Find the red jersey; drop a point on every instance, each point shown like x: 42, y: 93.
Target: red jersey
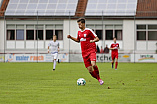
x: 84, y: 37
x: 115, y: 45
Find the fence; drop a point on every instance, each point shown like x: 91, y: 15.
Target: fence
x: 24, y: 37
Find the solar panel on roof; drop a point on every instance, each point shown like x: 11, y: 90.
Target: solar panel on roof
x: 111, y: 7
x: 44, y: 7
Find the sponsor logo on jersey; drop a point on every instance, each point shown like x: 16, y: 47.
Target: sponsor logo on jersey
x: 82, y: 39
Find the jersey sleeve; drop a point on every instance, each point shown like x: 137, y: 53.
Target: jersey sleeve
x: 111, y: 46
x: 49, y: 44
x: 78, y: 38
x: 93, y: 35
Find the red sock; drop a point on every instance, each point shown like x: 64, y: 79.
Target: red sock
x: 112, y: 63
x: 96, y: 70
x: 116, y: 65
x: 93, y: 74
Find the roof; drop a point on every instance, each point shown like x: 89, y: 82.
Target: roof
x: 146, y: 8
x: 111, y: 8
x: 3, y: 7
x: 41, y: 7
x: 80, y: 8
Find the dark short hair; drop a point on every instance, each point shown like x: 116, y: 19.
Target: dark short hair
x: 82, y: 20
x: 55, y: 35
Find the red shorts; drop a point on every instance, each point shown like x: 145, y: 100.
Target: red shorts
x: 89, y: 58
x: 114, y: 55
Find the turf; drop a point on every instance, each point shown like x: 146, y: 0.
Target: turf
x: 35, y: 83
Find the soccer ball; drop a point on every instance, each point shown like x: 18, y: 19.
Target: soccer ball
x: 81, y: 82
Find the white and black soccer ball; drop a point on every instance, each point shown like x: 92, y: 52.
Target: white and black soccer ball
x: 81, y: 81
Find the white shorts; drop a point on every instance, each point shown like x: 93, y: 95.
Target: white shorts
x: 54, y: 56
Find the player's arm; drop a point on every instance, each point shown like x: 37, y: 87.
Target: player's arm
x: 118, y: 47
x: 74, y: 39
x: 111, y: 48
x: 114, y: 48
x: 58, y: 48
x: 48, y: 49
x: 96, y: 39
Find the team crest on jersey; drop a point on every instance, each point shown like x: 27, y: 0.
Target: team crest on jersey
x: 85, y: 35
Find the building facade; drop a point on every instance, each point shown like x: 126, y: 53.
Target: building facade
x: 27, y: 27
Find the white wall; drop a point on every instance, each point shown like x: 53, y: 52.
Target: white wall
x: 148, y: 45
x: 0, y: 2
x: 152, y: 45
x: 30, y: 46
x: 127, y: 44
x: 2, y: 36
x: 146, y: 21
x: 73, y: 32
x: 141, y: 45
x: 128, y: 34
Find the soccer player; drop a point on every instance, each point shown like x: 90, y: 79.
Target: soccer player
x: 54, y: 50
x: 87, y: 38
x: 114, y: 54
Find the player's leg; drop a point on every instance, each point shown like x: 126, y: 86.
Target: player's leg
x: 113, y: 58
x: 54, y: 61
x: 89, y: 67
x: 90, y: 70
x: 112, y: 63
x: 116, y: 63
x: 95, y: 67
x: 96, y: 70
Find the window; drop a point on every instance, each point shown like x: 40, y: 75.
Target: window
x: 99, y: 33
x: 118, y: 34
x: 59, y: 34
x: 141, y: 26
x: 141, y: 32
x: 109, y: 34
x: 49, y: 34
x: 141, y: 35
x: 19, y: 34
x: 149, y: 31
x: 152, y: 26
x: 152, y: 35
x: 30, y: 34
x: 10, y: 34
x: 39, y: 34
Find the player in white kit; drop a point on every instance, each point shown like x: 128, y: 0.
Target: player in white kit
x: 54, y: 50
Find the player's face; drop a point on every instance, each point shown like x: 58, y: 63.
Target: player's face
x: 81, y: 25
x: 54, y: 38
x: 114, y: 40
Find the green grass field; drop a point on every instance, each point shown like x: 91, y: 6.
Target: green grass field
x: 35, y: 83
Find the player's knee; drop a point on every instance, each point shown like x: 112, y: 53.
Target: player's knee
x: 90, y: 71
x: 93, y: 65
